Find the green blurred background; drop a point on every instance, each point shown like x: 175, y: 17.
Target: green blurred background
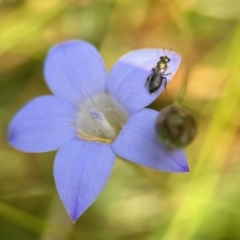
x: 137, y: 203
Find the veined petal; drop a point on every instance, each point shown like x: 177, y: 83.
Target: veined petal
x: 75, y: 70
x: 81, y: 171
x: 43, y: 124
x: 137, y: 142
x: 127, y: 79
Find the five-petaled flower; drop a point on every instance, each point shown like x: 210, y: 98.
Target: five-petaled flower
x: 92, y: 117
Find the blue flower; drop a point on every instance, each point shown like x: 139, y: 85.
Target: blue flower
x: 92, y: 117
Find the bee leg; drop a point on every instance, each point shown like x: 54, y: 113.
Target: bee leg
x: 164, y: 80
x: 168, y: 74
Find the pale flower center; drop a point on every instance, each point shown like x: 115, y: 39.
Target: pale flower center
x: 100, y: 119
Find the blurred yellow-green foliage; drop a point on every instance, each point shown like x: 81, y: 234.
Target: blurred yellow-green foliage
x: 137, y: 203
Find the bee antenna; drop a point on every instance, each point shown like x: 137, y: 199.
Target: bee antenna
x: 157, y: 52
x: 171, y: 48
x: 163, y: 49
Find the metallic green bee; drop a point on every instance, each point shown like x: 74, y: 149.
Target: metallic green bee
x: 158, y: 76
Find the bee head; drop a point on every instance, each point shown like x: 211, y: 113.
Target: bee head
x: 165, y: 59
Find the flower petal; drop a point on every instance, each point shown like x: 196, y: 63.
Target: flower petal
x: 43, y: 124
x: 138, y: 143
x: 75, y: 70
x: 81, y: 171
x: 127, y: 79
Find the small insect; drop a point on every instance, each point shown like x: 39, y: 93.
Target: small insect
x: 158, y: 76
